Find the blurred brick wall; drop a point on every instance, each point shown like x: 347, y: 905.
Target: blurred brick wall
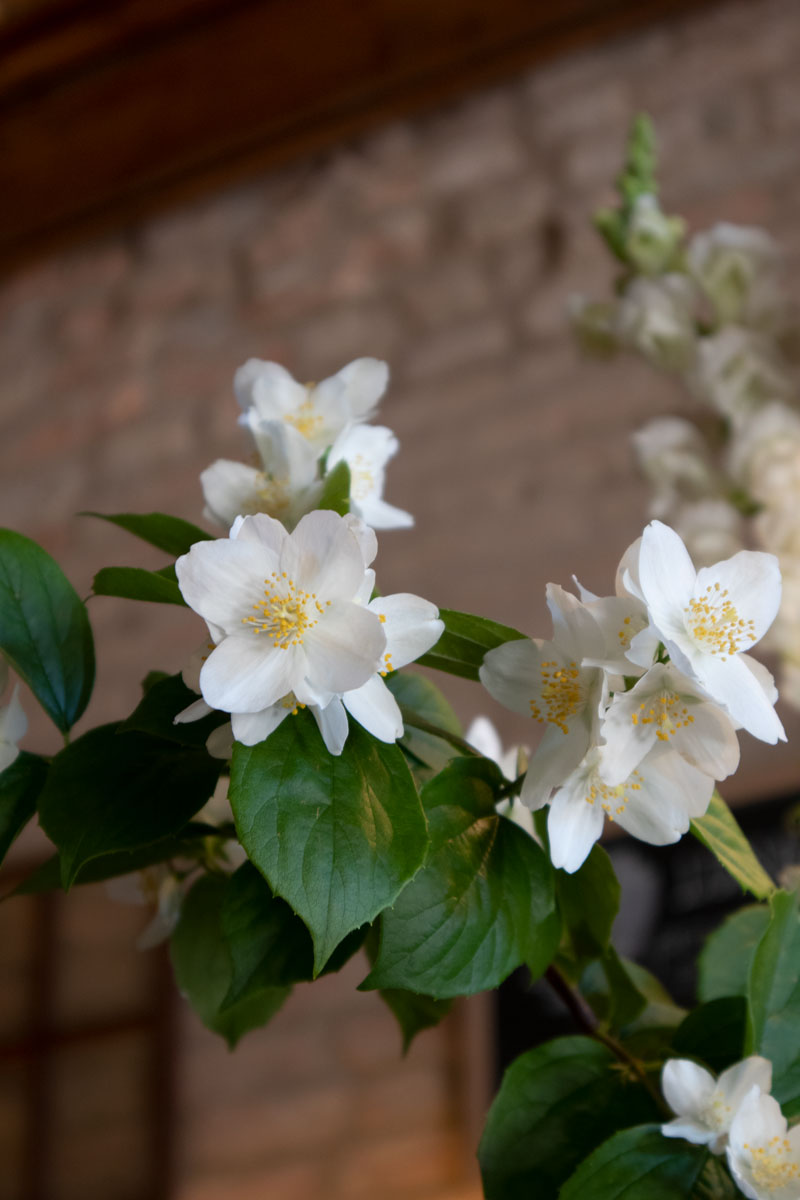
x: 448, y: 245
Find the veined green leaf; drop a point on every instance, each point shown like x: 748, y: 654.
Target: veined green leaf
x: 44, y: 630
x: 714, y: 1033
x: 20, y: 785
x: 589, y: 902
x: 156, y: 712
x: 638, y: 1162
x: 338, y: 837
x: 482, y: 905
x: 773, y: 993
x: 466, y: 639
x: 720, y: 832
x: 723, y: 966
x: 135, y: 583
x: 171, y: 534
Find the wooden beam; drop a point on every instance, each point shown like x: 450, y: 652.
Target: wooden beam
x: 108, y: 112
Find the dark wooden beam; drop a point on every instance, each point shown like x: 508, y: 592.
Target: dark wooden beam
x: 109, y: 111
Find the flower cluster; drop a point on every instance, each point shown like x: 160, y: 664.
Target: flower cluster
x: 710, y: 310
x: 640, y: 694
x: 735, y: 1115
x: 301, y: 433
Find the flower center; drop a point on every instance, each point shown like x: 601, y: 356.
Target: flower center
x: 560, y: 695
x: 714, y: 621
x: 304, y: 420
x: 272, y: 492
x: 773, y: 1165
x: 286, y: 613
x: 717, y: 1114
x: 362, y: 481
x: 613, y: 800
x: 666, y: 712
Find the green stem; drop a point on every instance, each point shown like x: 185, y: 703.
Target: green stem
x: 585, y: 1018
x: 511, y: 788
x: 416, y: 722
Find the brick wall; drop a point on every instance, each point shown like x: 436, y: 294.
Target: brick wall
x: 448, y: 245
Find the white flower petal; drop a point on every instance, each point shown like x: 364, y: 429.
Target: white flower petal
x: 380, y: 515
x: 752, y: 583
x: 365, y: 537
x: 689, y: 1130
x: 553, y: 761
x: 222, y: 580
x: 13, y: 721
x: 742, y: 1077
x: 666, y: 575
x: 733, y: 685
x: 268, y: 387
x: 573, y: 827
x: 511, y: 672
x: 324, y: 554
x: 344, y: 649
x: 250, y: 728
x: 243, y: 676
x: 374, y: 707
x: 195, y: 712
x: 229, y: 489
x: 411, y: 625
x: 332, y: 724
x: 363, y: 383
x: 687, y: 1087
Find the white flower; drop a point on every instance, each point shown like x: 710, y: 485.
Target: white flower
x: 656, y: 317
x: 289, y: 608
x: 158, y: 886
x: 706, y: 1106
x: 13, y: 722
x: 763, y: 1153
x: 411, y: 626
x: 366, y: 449
x: 545, y: 680
x: 267, y: 392
x: 655, y: 803
x: 652, y: 237
x: 737, y: 372
x: 665, y: 707
x: 286, y: 486
x: 736, y: 267
x: 707, y: 618
x: 512, y: 762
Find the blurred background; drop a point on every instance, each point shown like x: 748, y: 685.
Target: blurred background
x: 188, y: 183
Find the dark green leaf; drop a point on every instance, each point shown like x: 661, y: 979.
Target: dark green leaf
x: 715, y: 1182
x: 413, y: 1012
x: 44, y: 630
x: 337, y: 837
x: 461, y: 648
x: 416, y: 693
x: 336, y: 490
x: 20, y: 785
x: 724, y: 963
x: 269, y: 946
x: 714, y: 1033
x: 171, y: 534
x: 635, y: 1163
x: 628, y: 997
x: 774, y: 1000
x: 202, y: 965
x: 556, y: 1104
x: 482, y: 905
x: 155, y: 714
x: 110, y: 792
x: 719, y: 831
x: 589, y: 902
x: 134, y: 583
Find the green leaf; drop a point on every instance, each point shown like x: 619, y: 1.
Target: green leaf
x: 714, y: 1033
x: 269, y: 946
x: 466, y: 639
x: 44, y: 630
x: 720, y: 832
x: 162, y: 702
x: 413, y: 1012
x: 336, y: 490
x: 773, y: 990
x: 418, y: 694
x: 202, y: 965
x: 589, y: 902
x: 724, y: 963
x: 630, y: 999
x: 336, y: 837
x: 171, y: 534
x: 715, y: 1182
x: 556, y: 1104
x: 482, y: 905
x: 638, y: 1162
x: 20, y: 785
x: 110, y: 792
x: 135, y: 583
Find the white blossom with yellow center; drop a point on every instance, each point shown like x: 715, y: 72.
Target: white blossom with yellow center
x: 705, y: 1107
x: 318, y: 412
x: 546, y: 681
x: 763, y: 1153
x: 289, y: 611
x: 708, y: 618
x: 667, y: 708
x: 655, y: 804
